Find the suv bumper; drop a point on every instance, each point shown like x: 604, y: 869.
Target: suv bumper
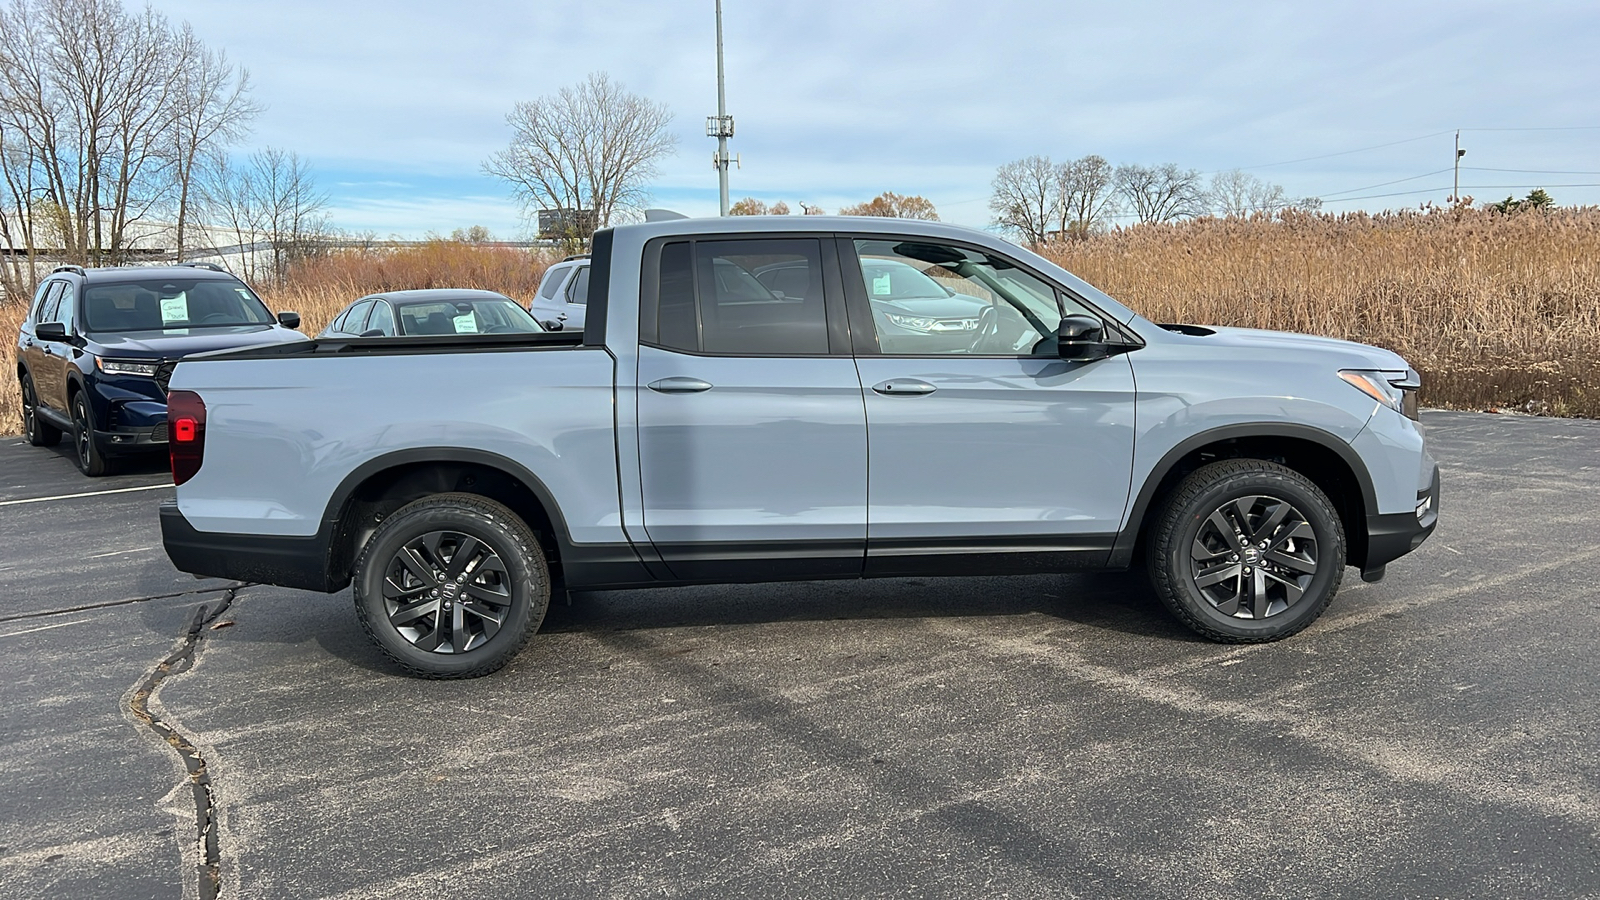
x: 1390, y: 537
x: 118, y: 440
x: 258, y: 558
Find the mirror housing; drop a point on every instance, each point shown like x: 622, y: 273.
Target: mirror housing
x: 1081, y: 338
x: 289, y: 319
x: 50, y: 331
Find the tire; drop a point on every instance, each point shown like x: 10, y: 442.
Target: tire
x: 90, y: 460
x: 38, y: 432
x: 1210, y: 534
x: 417, y: 606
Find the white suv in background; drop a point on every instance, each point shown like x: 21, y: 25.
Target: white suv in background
x: 563, y: 295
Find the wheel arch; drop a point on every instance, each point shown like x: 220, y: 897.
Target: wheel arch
x: 1331, y: 463
x: 378, y: 487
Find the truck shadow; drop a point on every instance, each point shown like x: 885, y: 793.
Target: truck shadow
x: 1114, y: 601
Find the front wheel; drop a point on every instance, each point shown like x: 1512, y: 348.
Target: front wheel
x: 452, y: 586
x: 1247, y: 551
x: 86, y: 454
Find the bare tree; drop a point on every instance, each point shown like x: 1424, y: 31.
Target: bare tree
x: 592, y: 146
x: 270, y: 205
x: 212, y: 109
x: 890, y: 205
x: 749, y: 206
x: 1238, y: 193
x: 1087, y: 188
x: 779, y: 209
x: 1161, y: 193
x: 1026, y: 197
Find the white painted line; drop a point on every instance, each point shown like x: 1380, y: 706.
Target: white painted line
x: 42, y: 628
x: 120, y: 552
x: 148, y: 487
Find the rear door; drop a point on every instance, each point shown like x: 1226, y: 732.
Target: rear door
x: 752, y: 428
x: 989, y: 452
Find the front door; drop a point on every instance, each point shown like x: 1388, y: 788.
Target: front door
x: 752, y: 427
x: 50, y: 368
x: 988, y: 452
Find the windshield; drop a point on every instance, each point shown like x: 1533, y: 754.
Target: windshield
x: 173, y: 303
x: 496, y: 315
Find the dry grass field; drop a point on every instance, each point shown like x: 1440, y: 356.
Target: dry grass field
x: 1496, y: 311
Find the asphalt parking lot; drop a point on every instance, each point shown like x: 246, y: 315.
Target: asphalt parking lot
x: 1433, y: 735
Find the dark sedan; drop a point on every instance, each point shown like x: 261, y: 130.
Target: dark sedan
x: 431, y: 312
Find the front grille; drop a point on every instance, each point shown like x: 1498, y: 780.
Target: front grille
x: 159, y: 435
x: 164, y: 375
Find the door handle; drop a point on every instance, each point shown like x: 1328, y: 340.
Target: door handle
x: 679, y: 385
x: 904, y: 386
x: 562, y: 317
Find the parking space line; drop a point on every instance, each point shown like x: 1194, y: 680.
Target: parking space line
x: 42, y: 628
x: 147, y: 487
x: 119, y: 552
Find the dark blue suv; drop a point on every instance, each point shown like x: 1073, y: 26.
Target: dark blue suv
x: 98, y: 346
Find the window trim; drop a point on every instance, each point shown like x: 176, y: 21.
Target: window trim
x: 834, y: 302
x: 861, y: 309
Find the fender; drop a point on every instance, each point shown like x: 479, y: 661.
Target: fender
x: 1122, y: 550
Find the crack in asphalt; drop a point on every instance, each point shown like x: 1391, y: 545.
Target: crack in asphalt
x: 208, y: 870
x: 228, y: 588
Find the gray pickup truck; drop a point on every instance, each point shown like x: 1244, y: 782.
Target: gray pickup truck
x: 768, y: 399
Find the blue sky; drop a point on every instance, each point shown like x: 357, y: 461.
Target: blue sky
x: 396, y: 105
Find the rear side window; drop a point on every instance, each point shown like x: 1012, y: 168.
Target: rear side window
x: 552, y: 281
x: 710, y: 300
x: 579, y: 292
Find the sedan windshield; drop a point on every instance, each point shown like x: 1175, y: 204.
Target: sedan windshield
x: 171, y: 304
x: 496, y: 315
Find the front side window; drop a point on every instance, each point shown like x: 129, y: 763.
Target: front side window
x: 171, y: 304
x: 710, y: 300
x: 932, y: 298
x: 50, y: 305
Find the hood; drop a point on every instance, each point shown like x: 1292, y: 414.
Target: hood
x: 1358, y: 355
x: 178, y: 342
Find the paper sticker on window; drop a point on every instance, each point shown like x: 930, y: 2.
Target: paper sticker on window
x: 467, y: 324
x: 174, y: 309
x: 880, y: 285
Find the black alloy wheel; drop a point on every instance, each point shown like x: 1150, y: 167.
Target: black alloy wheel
x: 1246, y: 551
x: 1254, y: 557
x: 90, y: 460
x: 38, y: 432
x: 451, y: 586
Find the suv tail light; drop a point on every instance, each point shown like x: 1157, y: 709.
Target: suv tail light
x: 186, y: 433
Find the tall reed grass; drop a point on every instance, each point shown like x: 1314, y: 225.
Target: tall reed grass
x: 1496, y: 311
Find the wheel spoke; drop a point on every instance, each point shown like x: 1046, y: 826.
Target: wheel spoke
x: 1259, y: 602
x: 467, y: 549
x: 490, y: 594
x: 1307, y: 566
x: 459, y: 636
x: 411, y: 559
x: 409, y: 613
x: 1291, y: 589
x: 1218, y: 575
x: 394, y: 590
x: 1271, y: 522
x: 1200, y: 553
x: 1226, y: 529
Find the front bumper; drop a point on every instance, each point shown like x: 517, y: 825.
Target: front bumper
x: 1390, y: 537
x: 125, y: 439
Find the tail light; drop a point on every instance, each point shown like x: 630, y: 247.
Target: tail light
x: 186, y: 433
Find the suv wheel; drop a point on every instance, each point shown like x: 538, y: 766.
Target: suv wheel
x: 90, y: 460
x: 39, y: 432
x: 1247, y: 551
x: 452, y: 586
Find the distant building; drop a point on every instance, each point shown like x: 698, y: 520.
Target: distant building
x: 555, y: 224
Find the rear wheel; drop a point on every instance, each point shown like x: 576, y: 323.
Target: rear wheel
x: 1247, y: 551
x: 86, y: 454
x: 452, y: 586
x: 38, y: 432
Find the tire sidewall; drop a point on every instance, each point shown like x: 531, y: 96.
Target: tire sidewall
x: 1325, y: 526
x: 497, y: 529
x: 30, y: 414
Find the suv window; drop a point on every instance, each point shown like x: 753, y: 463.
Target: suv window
x: 171, y: 303
x: 717, y: 305
x: 552, y: 281
x: 929, y: 298
x: 579, y: 292
x: 50, y: 303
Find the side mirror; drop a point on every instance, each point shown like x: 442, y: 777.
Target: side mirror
x: 371, y: 332
x: 50, y: 331
x: 1081, y: 338
x: 552, y: 325
x: 289, y: 319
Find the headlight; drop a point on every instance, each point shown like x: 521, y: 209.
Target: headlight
x: 914, y: 323
x: 127, y: 367
x: 1393, y: 389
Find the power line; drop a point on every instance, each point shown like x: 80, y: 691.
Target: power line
x: 1384, y: 184
x: 1347, y: 152
x: 1530, y: 171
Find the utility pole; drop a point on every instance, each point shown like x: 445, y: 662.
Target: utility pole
x: 1455, y: 191
x: 720, y: 126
